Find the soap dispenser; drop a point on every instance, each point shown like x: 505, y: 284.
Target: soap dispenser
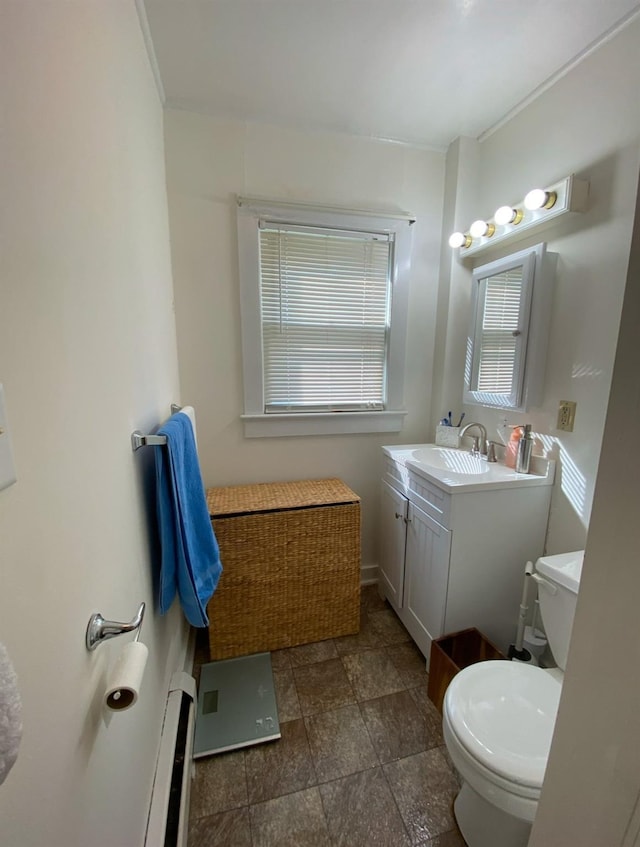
x: 511, y: 450
x: 525, y: 449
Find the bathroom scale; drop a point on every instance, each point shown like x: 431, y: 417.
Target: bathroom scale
x: 236, y: 705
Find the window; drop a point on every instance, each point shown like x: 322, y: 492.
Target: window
x: 506, y: 348
x: 324, y: 303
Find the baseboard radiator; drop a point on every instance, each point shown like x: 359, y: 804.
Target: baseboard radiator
x: 168, y: 822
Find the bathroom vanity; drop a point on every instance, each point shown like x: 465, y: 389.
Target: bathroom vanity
x: 455, y: 535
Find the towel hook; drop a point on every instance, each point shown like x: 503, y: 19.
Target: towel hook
x: 99, y: 629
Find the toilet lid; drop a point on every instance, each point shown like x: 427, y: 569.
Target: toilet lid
x: 503, y: 713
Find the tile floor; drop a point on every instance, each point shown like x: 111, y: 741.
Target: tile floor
x: 361, y: 760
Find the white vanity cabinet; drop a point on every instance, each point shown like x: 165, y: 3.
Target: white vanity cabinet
x: 452, y: 555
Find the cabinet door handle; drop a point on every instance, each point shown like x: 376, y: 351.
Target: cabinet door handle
x: 398, y: 515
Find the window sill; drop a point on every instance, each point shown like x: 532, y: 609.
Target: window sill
x: 322, y: 423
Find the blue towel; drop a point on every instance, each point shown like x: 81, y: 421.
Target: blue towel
x: 190, y: 556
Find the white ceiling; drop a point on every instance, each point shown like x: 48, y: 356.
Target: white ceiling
x: 419, y: 71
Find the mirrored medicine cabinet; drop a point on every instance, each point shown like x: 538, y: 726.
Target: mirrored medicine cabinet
x: 509, y: 329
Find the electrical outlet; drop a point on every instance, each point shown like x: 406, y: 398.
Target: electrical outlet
x: 566, y: 415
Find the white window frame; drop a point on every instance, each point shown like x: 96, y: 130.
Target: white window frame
x: 527, y: 386
x: 256, y: 422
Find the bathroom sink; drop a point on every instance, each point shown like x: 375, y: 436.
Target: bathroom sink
x: 451, y: 460
x: 452, y: 469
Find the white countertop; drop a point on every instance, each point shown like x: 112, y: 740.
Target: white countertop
x: 456, y: 470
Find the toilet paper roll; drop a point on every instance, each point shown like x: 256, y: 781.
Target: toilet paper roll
x: 126, y: 675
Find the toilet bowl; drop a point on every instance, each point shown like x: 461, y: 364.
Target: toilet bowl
x: 498, y: 721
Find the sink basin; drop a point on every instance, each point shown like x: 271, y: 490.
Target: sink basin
x: 451, y: 460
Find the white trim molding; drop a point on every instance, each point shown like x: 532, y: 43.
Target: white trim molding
x: 257, y: 424
x: 369, y: 574
x: 322, y: 423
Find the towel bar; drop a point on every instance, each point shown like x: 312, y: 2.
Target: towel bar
x: 138, y: 439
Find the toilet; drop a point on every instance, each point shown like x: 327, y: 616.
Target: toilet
x: 498, y: 720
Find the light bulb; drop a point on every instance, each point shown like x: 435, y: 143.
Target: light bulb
x: 459, y: 239
x: 540, y: 199
x: 507, y: 215
x: 480, y: 228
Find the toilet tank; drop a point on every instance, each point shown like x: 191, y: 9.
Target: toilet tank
x: 557, y: 608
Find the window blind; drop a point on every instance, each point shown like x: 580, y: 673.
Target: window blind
x: 501, y: 333
x: 325, y: 311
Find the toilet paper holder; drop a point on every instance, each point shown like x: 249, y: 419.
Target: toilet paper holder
x: 99, y: 629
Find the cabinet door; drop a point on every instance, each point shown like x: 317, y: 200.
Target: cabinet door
x: 426, y: 577
x: 392, y: 534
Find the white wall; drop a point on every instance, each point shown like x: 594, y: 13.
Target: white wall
x: 209, y: 161
x: 591, y: 791
x: 87, y: 354
x: 588, y: 123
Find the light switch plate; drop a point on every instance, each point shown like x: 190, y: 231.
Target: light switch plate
x: 7, y: 468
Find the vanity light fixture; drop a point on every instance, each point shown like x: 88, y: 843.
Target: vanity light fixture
x: 460, y: 239
x: 482, y: 228
x: 508, y: 215
x: 540, y: 207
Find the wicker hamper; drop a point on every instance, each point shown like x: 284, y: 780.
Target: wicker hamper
x: 291, y: 558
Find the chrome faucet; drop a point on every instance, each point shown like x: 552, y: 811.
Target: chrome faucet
x: 479, y: 447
